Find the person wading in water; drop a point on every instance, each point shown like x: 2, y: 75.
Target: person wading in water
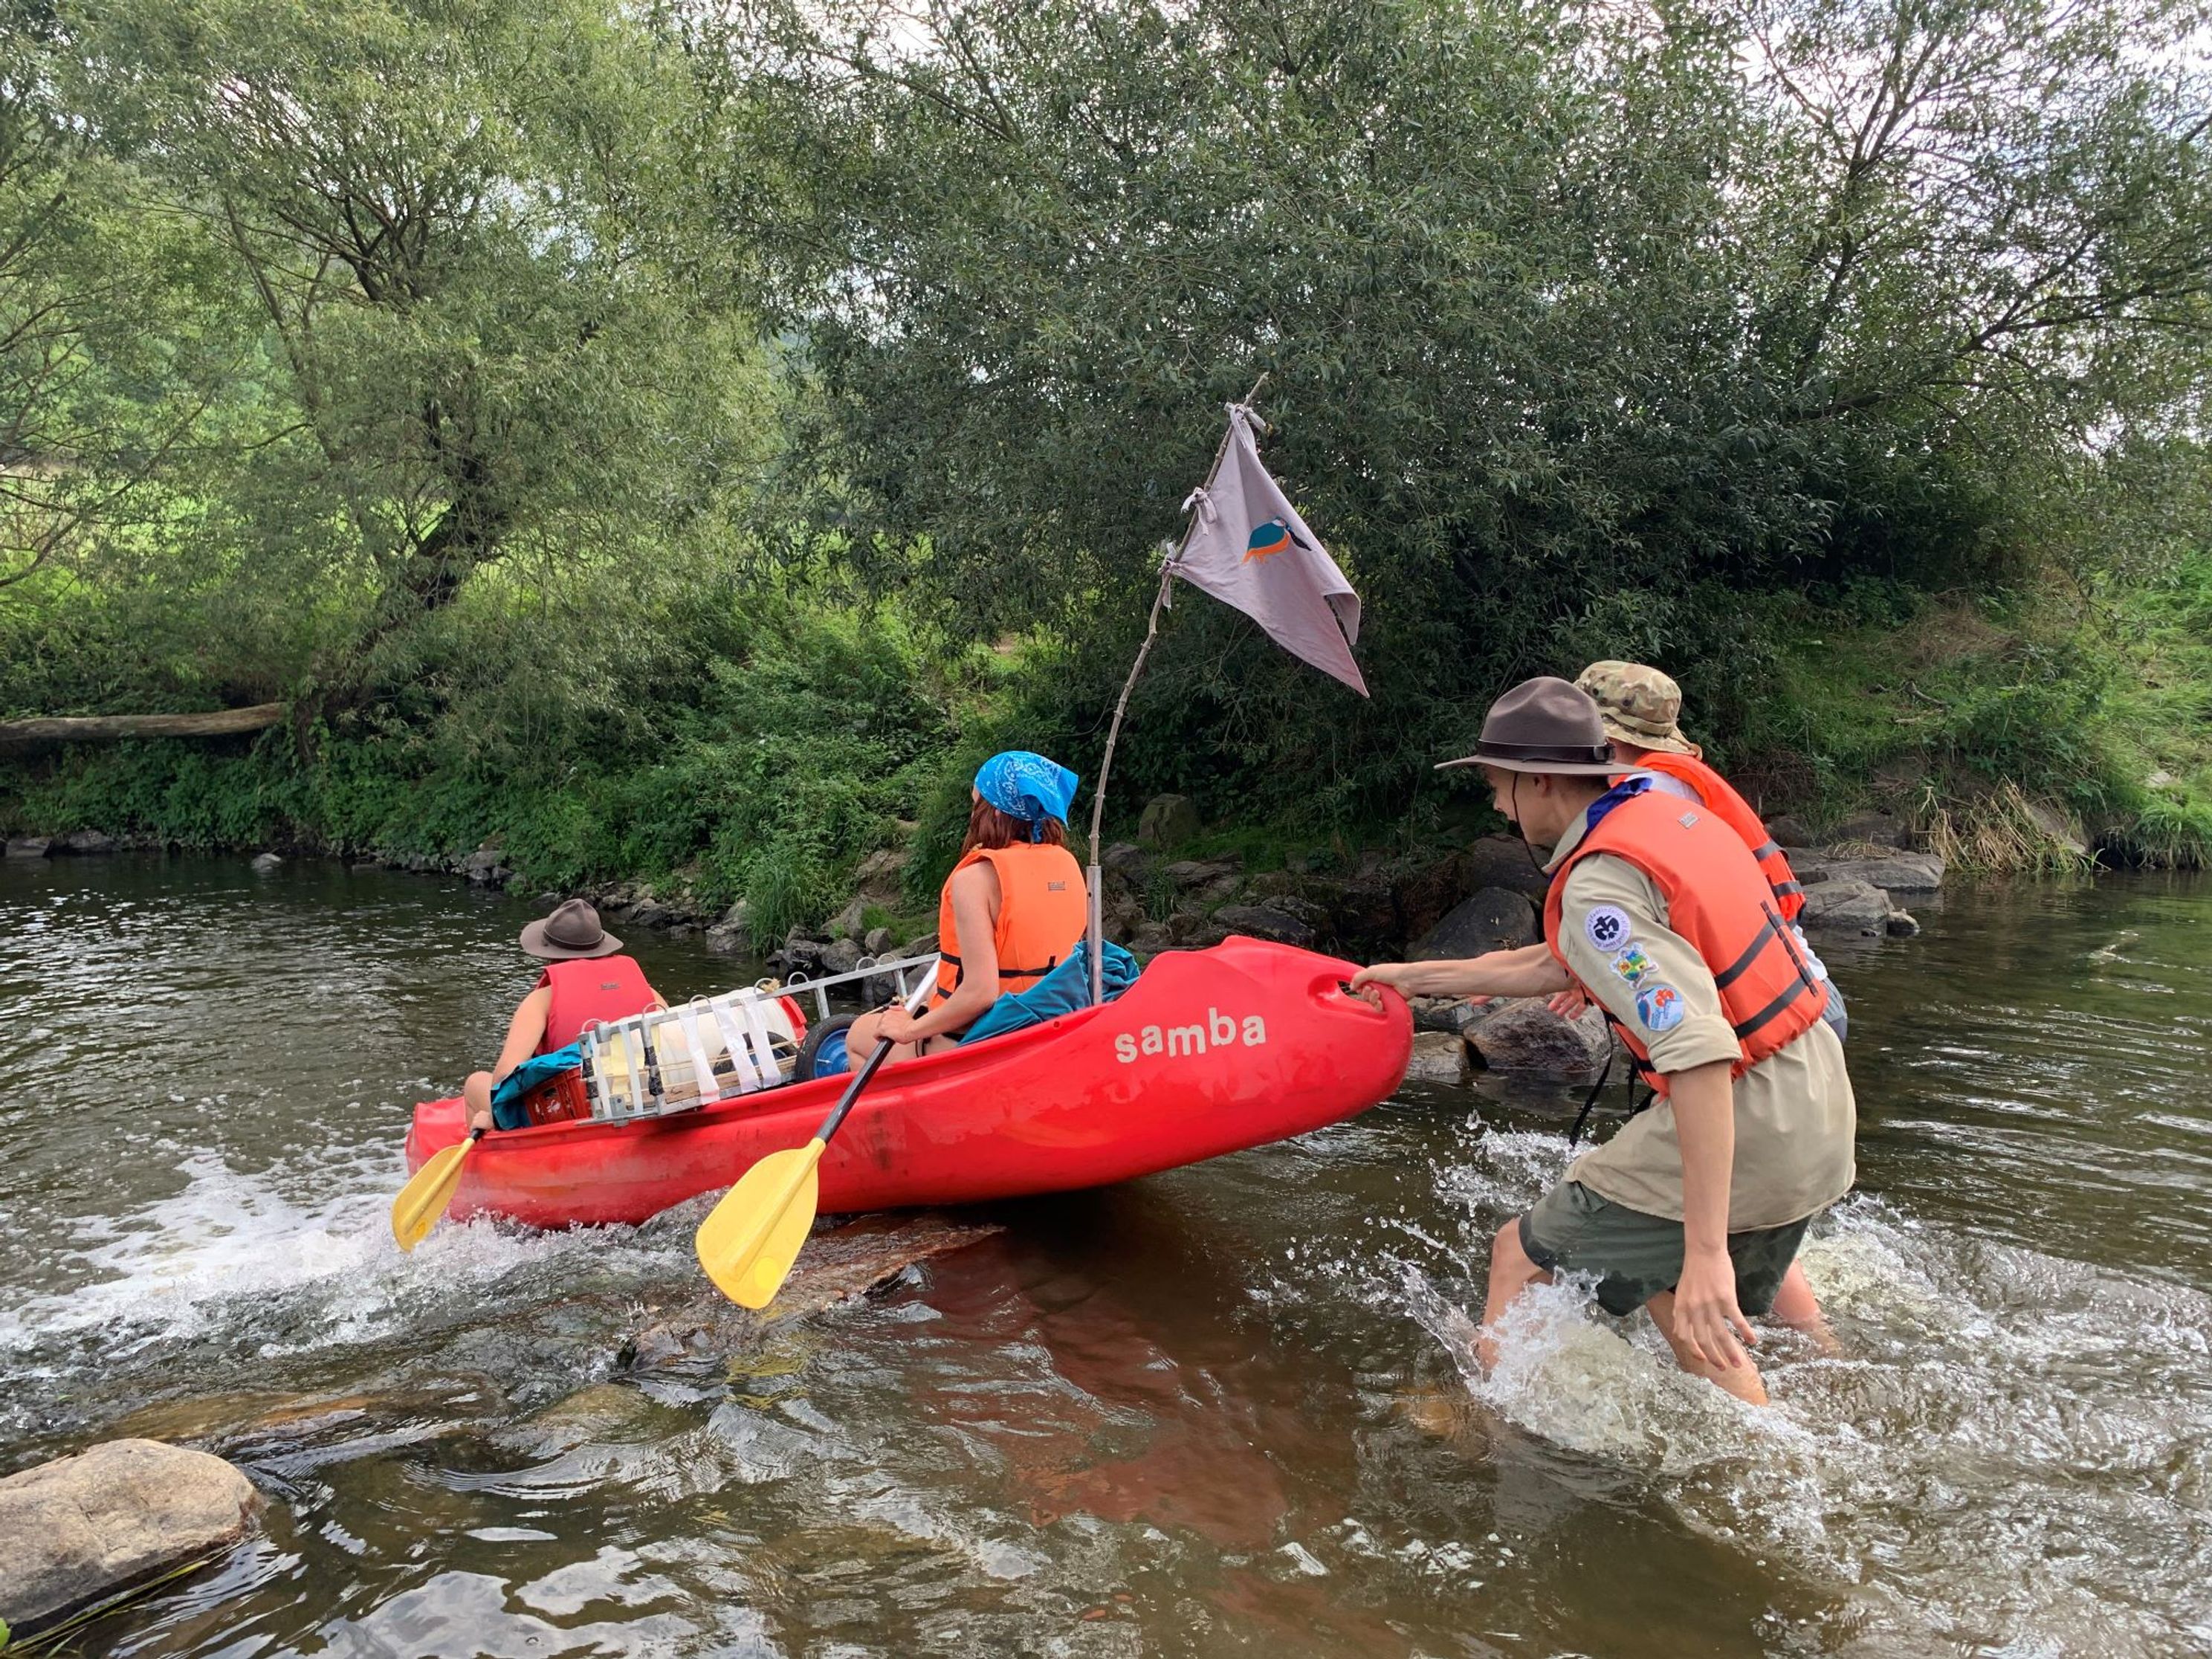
x: 1695, y: 1210
x: 1010, y: 911
x: 584, y: 983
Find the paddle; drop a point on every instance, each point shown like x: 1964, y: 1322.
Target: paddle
x: 747, y: 1243
x: 423, y: 1199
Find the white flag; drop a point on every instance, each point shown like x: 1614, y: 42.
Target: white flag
x: 1249, y: 547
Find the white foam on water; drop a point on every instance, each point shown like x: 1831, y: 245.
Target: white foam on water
x: 247, y: 1255
x: 2011, y: 1451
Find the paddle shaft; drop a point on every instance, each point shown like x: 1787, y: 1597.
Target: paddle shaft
x: 832, y: 1123
x: 837, y: 1118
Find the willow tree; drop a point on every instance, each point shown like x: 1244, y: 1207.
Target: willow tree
x: 103, y: 375
x: 1579, y: 319
x: 461, y: 229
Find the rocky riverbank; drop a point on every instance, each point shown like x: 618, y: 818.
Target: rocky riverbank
x: 1424, y: 904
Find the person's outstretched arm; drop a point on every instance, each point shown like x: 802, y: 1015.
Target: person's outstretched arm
x: 1530, y: 971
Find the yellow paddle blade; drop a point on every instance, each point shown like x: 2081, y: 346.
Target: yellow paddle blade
x: 424, y: 1199
x: 747, y: 1243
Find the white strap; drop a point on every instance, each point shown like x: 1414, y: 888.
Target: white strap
x: 703, y: 1069
x: 733, y: 1039
x: 763, y: 1043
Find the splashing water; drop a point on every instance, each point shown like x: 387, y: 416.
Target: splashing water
x: 1229, y: 1409
x: 2010, y: 1448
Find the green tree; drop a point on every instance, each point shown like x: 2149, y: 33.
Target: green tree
x: 461, y: 228
x: 106, y: 373
x: 1579, y: 319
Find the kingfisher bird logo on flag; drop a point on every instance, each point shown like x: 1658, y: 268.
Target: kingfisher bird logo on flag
x: 1271, y: 537
x: 1249, y: 547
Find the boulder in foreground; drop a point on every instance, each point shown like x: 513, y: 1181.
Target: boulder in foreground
x: 77, y: 1531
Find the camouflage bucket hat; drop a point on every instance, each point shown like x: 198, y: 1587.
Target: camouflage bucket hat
x: 1639, y: 705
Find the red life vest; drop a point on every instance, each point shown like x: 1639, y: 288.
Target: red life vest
x: 587, y: 992
x: 1717, y: 900
x: 1042, y: 912
x: 1718, y: 792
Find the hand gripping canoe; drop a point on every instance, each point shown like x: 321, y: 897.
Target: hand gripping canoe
x: 750, y: 1241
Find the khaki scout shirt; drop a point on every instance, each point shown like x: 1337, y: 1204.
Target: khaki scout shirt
x: 1794, y: 1117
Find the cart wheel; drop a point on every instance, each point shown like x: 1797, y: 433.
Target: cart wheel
x: 822, y: 1054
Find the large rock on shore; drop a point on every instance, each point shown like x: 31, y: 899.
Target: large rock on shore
x: 1168, y: 821
x: 1897, y: 872
x: 1438, y: 1057
x: 80, y: 1530
x: 1495, y: 919
x: 1524, y: 1034
x: 1856, y: 906
x: 1267, y: 922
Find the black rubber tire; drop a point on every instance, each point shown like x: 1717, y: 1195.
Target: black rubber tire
x: 816, y: 1034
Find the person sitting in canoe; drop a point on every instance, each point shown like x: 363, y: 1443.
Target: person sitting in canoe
x: 584, y: 982
x: 1012, y: 910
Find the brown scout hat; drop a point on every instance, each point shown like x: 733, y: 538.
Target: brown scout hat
x: 1543, y: 725
x: 1640, y: 706
x: 572, y: 931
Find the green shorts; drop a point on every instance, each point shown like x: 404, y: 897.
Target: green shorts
x: 1637, y: 1255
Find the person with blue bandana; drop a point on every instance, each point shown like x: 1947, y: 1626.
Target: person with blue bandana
x: 1012, y: 909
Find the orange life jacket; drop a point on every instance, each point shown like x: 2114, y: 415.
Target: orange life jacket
x: 587, y: 992
x: 1717, y: 900
x: 1718, y: 792
x: 1042, y: 912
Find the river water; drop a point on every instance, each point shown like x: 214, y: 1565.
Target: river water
x: 1223, y: 1411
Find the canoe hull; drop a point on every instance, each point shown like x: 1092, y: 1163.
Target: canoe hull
x: 1211, y: 1052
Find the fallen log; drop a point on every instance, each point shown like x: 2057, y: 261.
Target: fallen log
x: 104, y: 728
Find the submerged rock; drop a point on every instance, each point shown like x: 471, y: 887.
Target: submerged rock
x: 29, y: 846
x: 84, y: 842
x: 1438, y: 1057
x: 838, y: 1263
x: 264, y: 862
x: 80, y: 1530
x: 1524, y: 1034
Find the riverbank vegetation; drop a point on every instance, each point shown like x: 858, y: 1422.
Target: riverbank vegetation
x: 673, y: 445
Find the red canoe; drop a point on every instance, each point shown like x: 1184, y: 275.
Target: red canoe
x: 1210, y: 1051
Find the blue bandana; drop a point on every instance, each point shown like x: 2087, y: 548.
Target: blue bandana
x: 1027, y: 787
